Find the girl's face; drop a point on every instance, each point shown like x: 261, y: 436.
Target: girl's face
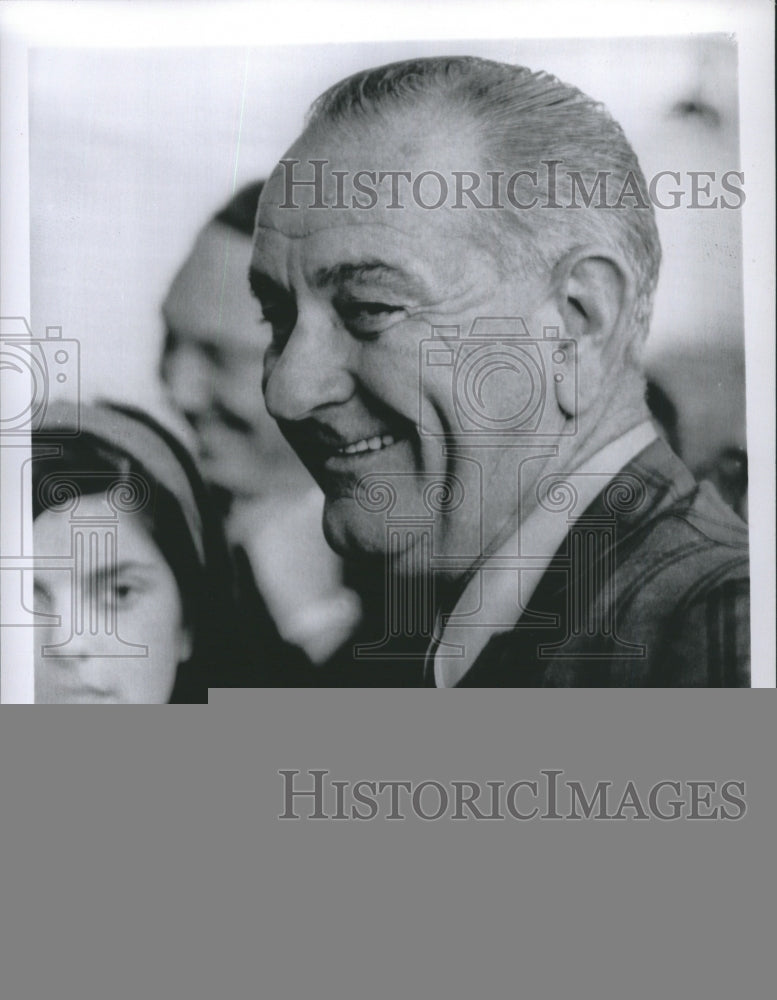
x: 115, y: 632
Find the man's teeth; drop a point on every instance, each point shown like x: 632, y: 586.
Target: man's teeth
x: 368, y: 444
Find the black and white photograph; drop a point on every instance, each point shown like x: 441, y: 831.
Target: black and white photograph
x: 356, y: 353
x: 414, y: 362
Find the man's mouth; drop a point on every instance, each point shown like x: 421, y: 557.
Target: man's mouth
x: 338, y: 464
x: 375, y: 443
x: 352, y: 456
x: 339, y: 451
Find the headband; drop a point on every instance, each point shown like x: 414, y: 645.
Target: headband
x: 140, y: 442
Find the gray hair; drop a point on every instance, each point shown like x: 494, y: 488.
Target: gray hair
x: 525, y: 119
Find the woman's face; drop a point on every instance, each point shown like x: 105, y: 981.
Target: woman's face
x: 115, y: 633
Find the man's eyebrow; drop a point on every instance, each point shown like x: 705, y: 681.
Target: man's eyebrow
x: 375, y: 272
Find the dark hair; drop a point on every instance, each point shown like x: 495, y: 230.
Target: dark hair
x: 664, y: 411
x: 88, y: 464
x: 239, y: 213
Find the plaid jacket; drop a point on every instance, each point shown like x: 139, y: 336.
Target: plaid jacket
x: 649, y: 589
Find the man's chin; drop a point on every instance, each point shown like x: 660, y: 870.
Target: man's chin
x: 361, y: 537
x: 349, y: 534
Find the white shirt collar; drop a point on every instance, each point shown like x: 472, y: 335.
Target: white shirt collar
x: 500, y: 589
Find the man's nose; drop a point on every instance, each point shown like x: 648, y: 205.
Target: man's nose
x: 189, y: 379
x: 313, y: 370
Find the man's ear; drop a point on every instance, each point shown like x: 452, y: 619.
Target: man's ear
x: 595, y: 293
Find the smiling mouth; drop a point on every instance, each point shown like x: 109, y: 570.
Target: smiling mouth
x: 331, y: 452
x: 364, y: 445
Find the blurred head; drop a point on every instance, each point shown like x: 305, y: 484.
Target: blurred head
x: 122, y: 563
x: 727, y: 470
x: 394, y: 368
x: 212, y: 357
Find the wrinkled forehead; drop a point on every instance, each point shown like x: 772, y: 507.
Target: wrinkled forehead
x: 369, y: 193
x: 391, y: 170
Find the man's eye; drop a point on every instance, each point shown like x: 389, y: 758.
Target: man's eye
x: 366, y: 317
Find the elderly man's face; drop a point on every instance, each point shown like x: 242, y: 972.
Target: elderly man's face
x: 212, y: 364
x: 363, y: 396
